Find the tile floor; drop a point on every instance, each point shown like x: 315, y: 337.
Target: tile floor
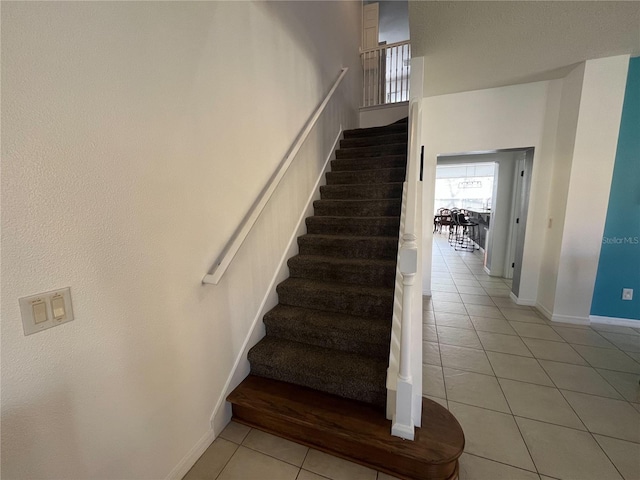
x: 536, y: 400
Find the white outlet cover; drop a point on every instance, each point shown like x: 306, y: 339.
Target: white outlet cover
x: 627, y: 293
x: 29, y: 324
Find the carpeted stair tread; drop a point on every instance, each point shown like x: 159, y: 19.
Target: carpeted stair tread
x: 350, y: 246
x: 358, y: 300
x: 374, y: 140
x: 377, y: 131
x: 346, y: 374
x: 357, y: 271
x: 364, y: 335
x: 354, y: 226
x: 373, y: 151
x: 382, y: 175
x: 385, y: 207
x: 364, y: 191
x: 368, y: 163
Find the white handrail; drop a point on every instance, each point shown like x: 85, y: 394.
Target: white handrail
x: 238, y: 238
x: 386, y: 45
x: 404, y: 421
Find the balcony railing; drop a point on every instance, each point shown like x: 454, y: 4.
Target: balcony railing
x: 385, y: 77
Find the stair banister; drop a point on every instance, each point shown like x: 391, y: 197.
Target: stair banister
x: 239, y: 236
x: 404, y: 417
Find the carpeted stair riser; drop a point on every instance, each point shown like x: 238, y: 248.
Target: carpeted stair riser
x: 375, y: 151
x: 372, y: 273
x: 368, y: 163
x: 354, y: 226
x: 377, y: 131
x: 361, y: 192
x: 368, y: 336
x: 384, y: 175
x: 340, y: 298
x: 382, y: 248
x: 345, y: 374
x: 358, y: 208
x: 372, y: 141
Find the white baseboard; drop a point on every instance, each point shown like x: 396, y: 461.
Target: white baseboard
x: 570, y: 319
x: 522, y: 301
x: 426, y: 293
x: 192, y: 457
x: 622, y: 322
x: 222, y: 412
x: 486, y: 270
x: 544, y: 310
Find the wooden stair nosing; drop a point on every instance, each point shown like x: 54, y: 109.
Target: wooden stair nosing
x: 351, y: 429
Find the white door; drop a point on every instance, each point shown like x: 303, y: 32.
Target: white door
x: 371, y: 13
x: 371, y: 61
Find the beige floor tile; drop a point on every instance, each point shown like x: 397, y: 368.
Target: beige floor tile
x: 446, y: 297
x: 492, y: 283
x: 467, y: 282
x: 478, y: 468
x: 506, y: 302
x: 471, y: 290
x: 626, y: 342
x: 428, y: 317
x: 429, y: 333
x: 212, y: 461
x: 431, y: 353
x: 532, y: 330
x: 539, y: 403
x: 566, y: 453
x: 277, y: 447
x: 498, y: 292
x: 492, y: 435
x: 624, y: 455
x: 474, y: 389
x: 634, y: 355
x: 439, y: 401
x: 235, y: 432
x: 336, y: 468
x: 520, y: 315
x: 608, y: 359
x: 460, y: 337
x: 556, y: 351
x: 627, y: 384
x: 463, y: 358
x: 484, y: 311
x: 614, y: 418
x: 477, y: 300
x: 457, y: 320
x: 384, y: 476
x: 636, y: 406
x: 247, y: 464
x: 583, y: 336
x: 449, y: 307
x: 432, y: 381
x: 307, y: 475
x: 579, y: 378
x: 600, y: 327
x: 443, y: 287
x: 493, y: 325
x: 518, y: 368
x: 497, y: 342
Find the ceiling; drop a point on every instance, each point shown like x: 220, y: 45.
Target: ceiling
x: 471, y: 45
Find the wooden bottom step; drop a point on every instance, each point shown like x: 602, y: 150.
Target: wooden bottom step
x: 352, y: 430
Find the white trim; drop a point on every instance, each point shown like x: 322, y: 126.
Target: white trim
x: 570, y: 319
x: 221, y: 413
x: 192, y: 457
x: 382, y: 106
x: 622, y: 322
x: 544, y: 310
x: 238, y: 238
x: 486, y: 270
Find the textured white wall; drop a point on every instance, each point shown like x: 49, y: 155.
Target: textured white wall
x: 594, y: 155
x: 498, y: 118
x: 569, y: 104
x: 136, y: 135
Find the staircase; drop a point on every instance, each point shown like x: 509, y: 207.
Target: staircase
x: 319, y: 375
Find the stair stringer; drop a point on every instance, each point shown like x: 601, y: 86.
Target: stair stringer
x: 221, y: 414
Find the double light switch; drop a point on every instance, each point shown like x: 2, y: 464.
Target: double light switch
x: 45, y: 310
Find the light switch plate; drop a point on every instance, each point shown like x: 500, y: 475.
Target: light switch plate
x: 627, y: 293
x: 28, y: 311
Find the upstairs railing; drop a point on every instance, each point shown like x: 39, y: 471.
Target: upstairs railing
x: 385, y: 76
x: 404, y: 380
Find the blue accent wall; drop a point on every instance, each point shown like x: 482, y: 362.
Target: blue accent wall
x: 619, y: 265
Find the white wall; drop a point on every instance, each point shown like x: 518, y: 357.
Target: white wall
x: 594, y: 154
x: 507, y: 117
x: 385, y: 115
x: 571, y: 91
x: 133, y: 145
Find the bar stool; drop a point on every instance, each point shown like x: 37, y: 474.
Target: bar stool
x: 468, y: 235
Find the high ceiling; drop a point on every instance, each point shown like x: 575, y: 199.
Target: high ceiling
x: 471, y: 45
